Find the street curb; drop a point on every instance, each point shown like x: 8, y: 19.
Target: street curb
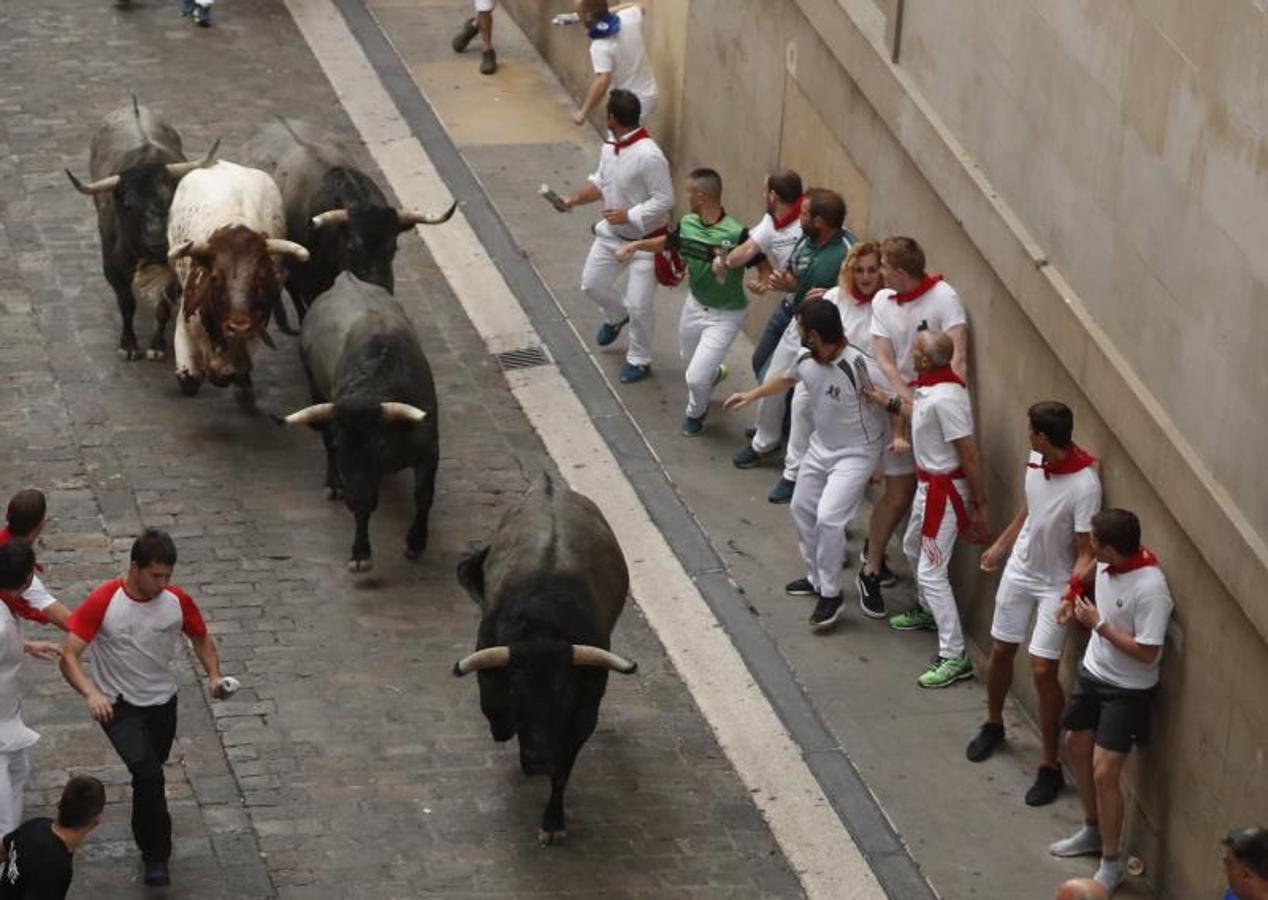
x: 883, y: 849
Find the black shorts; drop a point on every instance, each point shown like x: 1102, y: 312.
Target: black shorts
x: 1120, y: 716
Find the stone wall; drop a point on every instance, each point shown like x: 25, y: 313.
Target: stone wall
x: 1093, y: 178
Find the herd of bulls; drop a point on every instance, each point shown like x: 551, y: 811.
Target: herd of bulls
x: 213, y: 243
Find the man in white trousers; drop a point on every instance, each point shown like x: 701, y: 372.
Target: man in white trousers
x: 844, y: 451
x: 713, y: 311
x: 482, y: 24
x: 17, y: 568
x: 814, y: 262
x: 634, y: 183
x: 912, y: 301
x: 950, y: 498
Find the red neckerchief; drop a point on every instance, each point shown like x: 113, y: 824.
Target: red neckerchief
x: 1077, y: 459
x: 861, y: 299
x: 632, y: 138
x: 794, y: 213
x: 1140, y: 559
x: 5, y: 536
x: 918, y: 291
x: 940, y: 375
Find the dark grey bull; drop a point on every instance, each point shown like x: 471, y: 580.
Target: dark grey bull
x: 374, y: 403
x: 332, y: 208
x: 550, y: 586
x: 134, y: 165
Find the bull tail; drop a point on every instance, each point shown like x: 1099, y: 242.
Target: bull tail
x: 136, y: 107
x: 291, y: 131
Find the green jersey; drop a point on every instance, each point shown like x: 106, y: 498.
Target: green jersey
x: 696, y: 242
x: 818, y: 266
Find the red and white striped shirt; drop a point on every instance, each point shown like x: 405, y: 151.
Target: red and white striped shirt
x: 133, y: 641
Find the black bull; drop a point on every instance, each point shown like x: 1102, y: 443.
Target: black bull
x: 374, y: 403
x: 134, y: 165
x: 332, y: 208
x: 551, y: 586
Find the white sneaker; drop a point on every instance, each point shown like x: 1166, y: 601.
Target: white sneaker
x: 1084, y: 842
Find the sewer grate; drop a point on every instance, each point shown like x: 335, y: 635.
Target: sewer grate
x: 524, y: 358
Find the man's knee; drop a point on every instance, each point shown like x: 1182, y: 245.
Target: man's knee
x: 1003, y: 653
x: 1106, y: 770
x: 1079, y: 743
x: 1045, y: 671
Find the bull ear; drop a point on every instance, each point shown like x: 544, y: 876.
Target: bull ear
x: 409, y: 218
x: 597, y: 657
x: 471, y: 573
x: 102, y: 186
x: 488, y: 658
x: 194, y: 249
x: 330, y: 217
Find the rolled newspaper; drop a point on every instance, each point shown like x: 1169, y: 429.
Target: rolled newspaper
x: 226, y: 687
x: 565, y: 19
x: 552, y: 198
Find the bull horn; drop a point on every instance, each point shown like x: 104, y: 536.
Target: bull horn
x: 402, y: 412
x: 181, y: 169
x: 409, y: 218
x: 488, y: 658
x: 103, y: 186
x: 195, y: 249
x: 585, y: 655
x: 287, y: 248
x: 330, y: 217
x: 317, y: 414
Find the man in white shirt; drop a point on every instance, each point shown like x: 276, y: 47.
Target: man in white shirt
x: 482, y: 24
x: 950, y: 499
x: 134, y: 625
x: 912, y: 301
x: 1109, y: 710
x: 1051, y: 542
x: 843, y: 452
x: 17, y: 568
x: 617, y: 54
x: 25, y: 518
x: 634, y: 184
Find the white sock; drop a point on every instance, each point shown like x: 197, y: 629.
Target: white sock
x: 1110, y: 873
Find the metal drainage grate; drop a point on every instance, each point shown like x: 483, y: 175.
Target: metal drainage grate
x: 524, y: 358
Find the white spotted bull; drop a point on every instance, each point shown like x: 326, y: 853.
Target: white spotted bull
x: 551, y: 586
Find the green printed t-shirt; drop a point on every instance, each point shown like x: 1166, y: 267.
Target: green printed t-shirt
x: 818, y: 266
x: 695, y: 242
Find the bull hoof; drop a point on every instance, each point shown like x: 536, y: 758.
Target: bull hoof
x: 360, y: 565
x: 155, y: 355
x: 219, y: 380
x: 128, y: 354
x: 189, y: 383
x: 551, y: 838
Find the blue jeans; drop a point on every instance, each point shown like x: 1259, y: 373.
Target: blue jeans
x: 775, y: 327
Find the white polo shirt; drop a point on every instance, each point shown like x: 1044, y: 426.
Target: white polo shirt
x: 625, y: 58
x: 844, y: 420
x: 635, y: 179
x: 937, y: 309
x: 1057, y: 508
x: 1138, y: 603
x: 133, y: 641
x: 14, y: 735
x: 776, y: 243
x: 941, y: 414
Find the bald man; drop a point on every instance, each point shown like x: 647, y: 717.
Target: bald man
x: 950, y: 498
x: 1081, y: 889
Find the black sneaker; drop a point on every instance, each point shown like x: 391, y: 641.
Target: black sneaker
x: 870, y: 599
x: 1048, y: 783
x: 488, y: 62
x: 157, y: 874
x: 464, y: 37
x: 888, y: 578
x: 800, y: 588
x: 827, y: 613
x: 988, y: 738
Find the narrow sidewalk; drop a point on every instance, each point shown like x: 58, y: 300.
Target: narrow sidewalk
x: 965, y: 824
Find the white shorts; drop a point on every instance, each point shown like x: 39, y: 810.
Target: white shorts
x: 1015, y: 600
x: 895, y: 464
x: 485, y: 5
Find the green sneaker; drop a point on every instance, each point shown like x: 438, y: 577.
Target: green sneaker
x: 913, y: 619
x: 946, y: 672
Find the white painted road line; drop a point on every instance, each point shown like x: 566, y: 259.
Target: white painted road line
x: 765, y: 757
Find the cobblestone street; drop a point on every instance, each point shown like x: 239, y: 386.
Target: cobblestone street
x: 351, y: 764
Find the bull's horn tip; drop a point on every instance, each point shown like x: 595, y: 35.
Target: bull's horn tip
x: 457, y: 669
x: 633, y: 667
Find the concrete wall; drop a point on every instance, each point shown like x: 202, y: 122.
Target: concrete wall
x: 1092, y: 178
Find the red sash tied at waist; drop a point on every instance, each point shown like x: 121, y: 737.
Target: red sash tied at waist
x: 941, y: 492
